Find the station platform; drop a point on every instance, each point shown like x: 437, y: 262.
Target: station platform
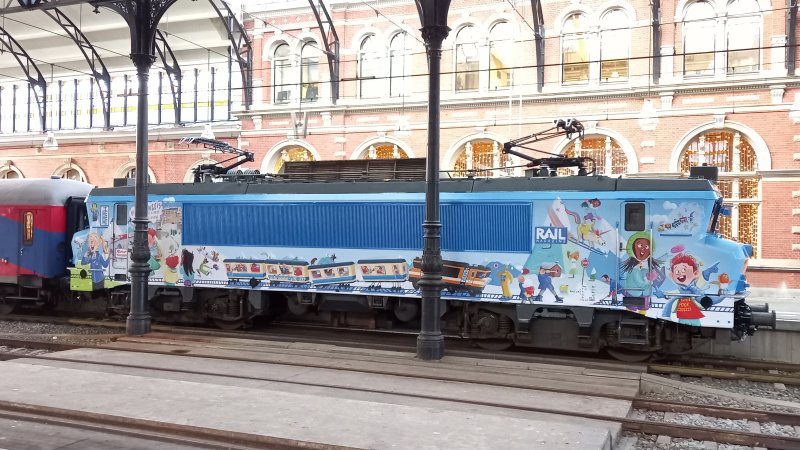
x: 785, y: 302
x: 331, y: 396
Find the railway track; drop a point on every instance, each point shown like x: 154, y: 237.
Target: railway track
x: 152, y: 431
x: 633, y: 424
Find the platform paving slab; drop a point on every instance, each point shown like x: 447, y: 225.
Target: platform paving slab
x: 271, y: 409
x: 331, y: 382
x: 569, y: 377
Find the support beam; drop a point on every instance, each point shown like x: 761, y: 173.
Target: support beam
x: 173, y: 70
x: 655, y: 16
x: 142, y: 17
x: 430, y: 343
x: 32, y: 73
x: 538, y: 35
x: 241, y: 47
x: 331, y: 41
x: 99, y: 71
x: 11, y: 7
x: 791, y: 36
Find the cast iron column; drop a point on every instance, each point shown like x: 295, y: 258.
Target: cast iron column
x: 139, y: 319
x: 142, y: 17
x: 430, y: 343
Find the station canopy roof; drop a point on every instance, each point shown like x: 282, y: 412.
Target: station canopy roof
x: 193, y: 30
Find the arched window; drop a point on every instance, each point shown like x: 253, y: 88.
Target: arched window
x: 281, y: 69
x: 292, y: 153
x: 72, y: 174
x: 606, y: 152
x: 309, y: 72
x: 129, y: 171
x: 739, y: 184
x: 500, y: 55
x: 9, y: 172
x: 744, y: 36
x: 467, y: 62
x: 575, y: 49
x: 399, y: 64
x: 699, y: 28
x: 385, y: 150
x: 369, y: 67
x: 483, y: 158
x: 615, y: 38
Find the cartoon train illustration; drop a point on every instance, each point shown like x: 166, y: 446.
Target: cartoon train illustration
x: 456, y: 276
x: 299, y: 272
x: 332, y: 273
x: 272, y: 270
x: 378, y: 271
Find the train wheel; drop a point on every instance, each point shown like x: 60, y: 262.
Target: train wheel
x: 406, y: 310
x: 631, y: 356
x: 230, y: 324
x: 7, y: 307
x: 494, y: 345
x: 295, y: 308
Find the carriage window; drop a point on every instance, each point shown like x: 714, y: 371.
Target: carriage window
x: 122, y: 214
x: 634, y: 217
x: 27, y: 228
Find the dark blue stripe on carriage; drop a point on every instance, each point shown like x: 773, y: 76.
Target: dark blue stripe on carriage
x: 466, y: 227
x: 44, y: 256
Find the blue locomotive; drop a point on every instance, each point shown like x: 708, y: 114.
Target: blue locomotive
x: 632, y: 266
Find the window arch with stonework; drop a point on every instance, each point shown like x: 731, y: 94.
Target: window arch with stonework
x: 604, y: 150
x: 738, y: 182
x: 9, y: 172
x: 384, y: 150
x: 483, y: 158
x: 292, y: 153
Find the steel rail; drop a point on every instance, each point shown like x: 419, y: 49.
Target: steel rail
x: 194, y: 436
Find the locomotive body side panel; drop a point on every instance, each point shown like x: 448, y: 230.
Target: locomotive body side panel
x: 613, y: 248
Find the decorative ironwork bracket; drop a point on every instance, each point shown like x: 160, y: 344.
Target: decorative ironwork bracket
x: 173, y: 70
x: 243, y: 52
x: 34, y: 75
x: 99, y: 71
x: 331, y: 41
x: 538, y: 35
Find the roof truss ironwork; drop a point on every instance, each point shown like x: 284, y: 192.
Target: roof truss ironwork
x: 331, y: 41
x: 99, y: 71
x: 173, y: 70
x: 36, y: 81
x: 241, y: 49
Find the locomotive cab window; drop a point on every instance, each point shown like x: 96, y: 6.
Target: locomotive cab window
x: 27, y: 228
x: 634, y: 217
x: 121, y: 214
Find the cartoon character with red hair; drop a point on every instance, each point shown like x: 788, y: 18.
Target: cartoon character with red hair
x: 685, y: 273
